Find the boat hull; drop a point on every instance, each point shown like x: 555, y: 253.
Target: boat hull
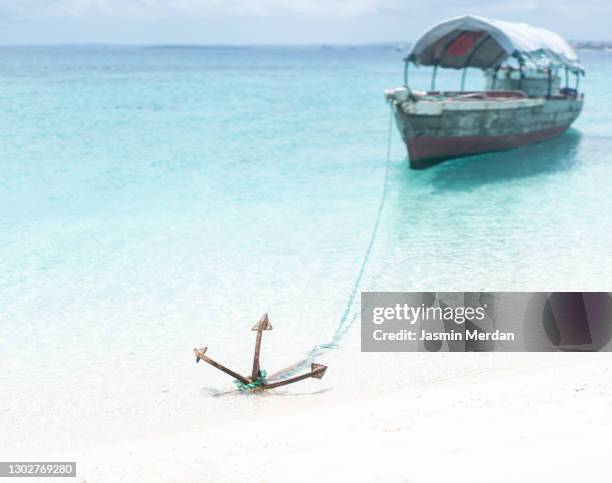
x: 441, y: 131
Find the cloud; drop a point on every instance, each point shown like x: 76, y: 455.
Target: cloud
x: 351, y: 8
x: 278, y: 21
x: 174, y: 8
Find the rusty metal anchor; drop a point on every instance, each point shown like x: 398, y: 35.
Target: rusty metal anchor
x: 257, y: 380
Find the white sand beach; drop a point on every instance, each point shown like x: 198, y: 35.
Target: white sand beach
x: 546, y: 419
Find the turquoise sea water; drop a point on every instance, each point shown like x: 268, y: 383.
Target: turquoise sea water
x: 157, y: 199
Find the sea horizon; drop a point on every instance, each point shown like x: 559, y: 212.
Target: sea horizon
x: 385, y: 44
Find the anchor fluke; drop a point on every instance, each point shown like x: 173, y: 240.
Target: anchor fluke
x: 263, y: 323
x: 318, y: 370
x: 199, y: 353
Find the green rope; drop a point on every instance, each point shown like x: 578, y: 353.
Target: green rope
x: 346, y: 321
x: 242, y: 387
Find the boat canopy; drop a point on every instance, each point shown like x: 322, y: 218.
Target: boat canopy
x: 473, y: 41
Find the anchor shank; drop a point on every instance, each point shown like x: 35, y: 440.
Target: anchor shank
x: 255, y: 371
x: 235, y: 375
x: 291, y: 380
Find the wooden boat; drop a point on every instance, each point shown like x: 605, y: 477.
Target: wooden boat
x: 522, y: 103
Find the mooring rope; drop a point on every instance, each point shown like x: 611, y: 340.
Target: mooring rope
x: 345, y: 323
x: 261, y: 379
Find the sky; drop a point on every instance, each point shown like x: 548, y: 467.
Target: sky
x: 277, y: 21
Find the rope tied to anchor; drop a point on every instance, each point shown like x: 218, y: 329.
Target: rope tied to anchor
x: 242, y: 387
x: 346, y: 321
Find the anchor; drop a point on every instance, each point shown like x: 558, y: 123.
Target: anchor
x: 257, y: 380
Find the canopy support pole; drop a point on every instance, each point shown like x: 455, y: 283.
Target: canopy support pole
x: 469, y: 59
x: 433, y: 77
x: 566, y: 77
x: 495, y: 72
x: 577, y: 81
x: 548, y: 94
x: 406, y: 63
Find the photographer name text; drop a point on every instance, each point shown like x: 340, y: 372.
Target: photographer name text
x: 410, y: 315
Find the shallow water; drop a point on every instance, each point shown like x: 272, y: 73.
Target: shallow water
x: 152, y: 200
